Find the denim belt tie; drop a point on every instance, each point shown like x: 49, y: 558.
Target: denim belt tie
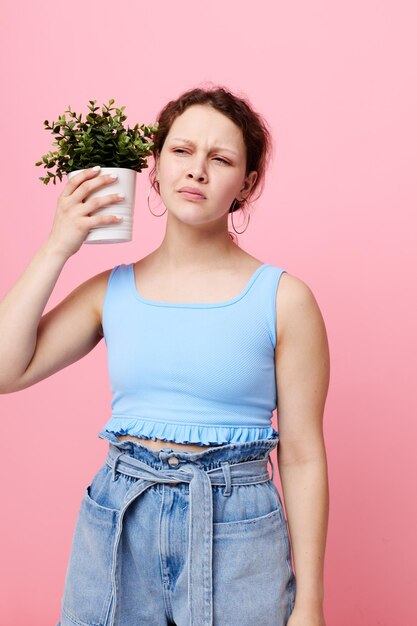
x: 200, y: 539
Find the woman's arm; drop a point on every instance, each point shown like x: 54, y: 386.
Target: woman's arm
x: 21, y: 309
x: 34, y: 347
x: 303, y: 372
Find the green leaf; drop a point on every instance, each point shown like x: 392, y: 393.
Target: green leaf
x: 101, y: 138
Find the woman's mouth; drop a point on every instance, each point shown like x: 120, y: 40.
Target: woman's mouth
x: 192, y: 196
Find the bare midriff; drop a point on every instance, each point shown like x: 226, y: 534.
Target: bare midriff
x: 158, y: 444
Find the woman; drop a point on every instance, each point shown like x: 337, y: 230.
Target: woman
x: 183, y: 524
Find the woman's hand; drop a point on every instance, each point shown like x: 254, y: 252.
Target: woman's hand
x: 73, y: 221
x: 306, y: 617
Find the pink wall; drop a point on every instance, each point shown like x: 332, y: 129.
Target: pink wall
x: 337, y: 83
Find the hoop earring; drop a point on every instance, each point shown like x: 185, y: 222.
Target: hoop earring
x: 156, y: 215
x: 237, y: 231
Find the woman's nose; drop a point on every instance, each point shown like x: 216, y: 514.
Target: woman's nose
x: 197, y: 170
x: 197, y: 175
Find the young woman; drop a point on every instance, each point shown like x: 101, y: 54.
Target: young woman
x: 183, y: 524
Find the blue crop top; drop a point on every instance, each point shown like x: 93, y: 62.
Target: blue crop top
x: 192, y: 373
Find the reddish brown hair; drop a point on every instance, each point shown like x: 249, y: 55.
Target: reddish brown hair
x: 256, y: 136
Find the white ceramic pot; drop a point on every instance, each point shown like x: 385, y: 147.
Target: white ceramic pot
x: 125, y: 183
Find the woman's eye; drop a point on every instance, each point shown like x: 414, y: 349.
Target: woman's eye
x: 216, y: 158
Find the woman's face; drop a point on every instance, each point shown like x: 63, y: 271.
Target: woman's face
x: 204, y: 149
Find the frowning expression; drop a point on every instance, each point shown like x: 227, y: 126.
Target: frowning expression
x: 204, y: 151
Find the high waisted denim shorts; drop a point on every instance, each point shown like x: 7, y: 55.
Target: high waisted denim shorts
x: 181, y: 538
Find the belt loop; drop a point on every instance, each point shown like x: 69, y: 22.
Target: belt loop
x: 272, y: 466
x: 226, y: 471
x: 114, y: 466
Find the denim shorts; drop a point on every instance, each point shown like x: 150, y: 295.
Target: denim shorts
x: 180, y: 538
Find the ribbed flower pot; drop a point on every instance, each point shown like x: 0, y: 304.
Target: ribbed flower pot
x: 126, y: 184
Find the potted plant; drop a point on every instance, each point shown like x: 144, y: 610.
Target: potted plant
x: 102, y: 140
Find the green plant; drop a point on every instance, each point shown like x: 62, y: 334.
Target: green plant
x: 99, y: 140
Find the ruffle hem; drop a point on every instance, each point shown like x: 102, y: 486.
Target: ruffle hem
x: 187, y: 433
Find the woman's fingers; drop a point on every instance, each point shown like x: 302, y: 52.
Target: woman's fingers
x: 76, y: 214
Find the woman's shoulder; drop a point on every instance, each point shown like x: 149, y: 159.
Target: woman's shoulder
x: 296, y: 304
x: 97, y: 288
x: 291, y: 289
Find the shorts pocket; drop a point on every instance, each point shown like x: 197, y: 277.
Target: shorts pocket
x: 252, y: 579
x: 88, y: 590
x: 248, y: 508
x: 286, y: 539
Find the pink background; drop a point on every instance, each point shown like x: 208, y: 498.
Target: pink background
x: 337, y: 84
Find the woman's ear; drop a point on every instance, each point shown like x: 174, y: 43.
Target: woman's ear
x: 250, y: 180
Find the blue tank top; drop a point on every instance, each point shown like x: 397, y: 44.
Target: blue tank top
x: 192, y: 373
